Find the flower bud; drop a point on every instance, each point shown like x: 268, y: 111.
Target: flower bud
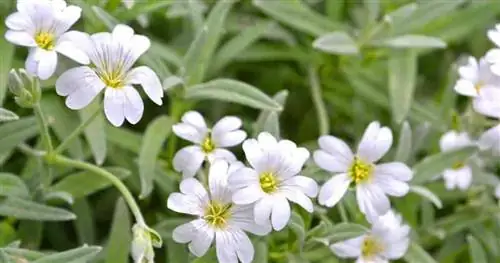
x: 144, y: 240
x: 25, y: 87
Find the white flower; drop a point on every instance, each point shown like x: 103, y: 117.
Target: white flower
x: 112, y: 56
x: 387, y: 240
x: 41, y: 25
x: 128, y: 3
x: 210, y: 143
x: 475, y: 77
x: 497, y: 191
x: 218, y: 218
x: 489, y: 105
x: 372, y: 182
x: 273, y: 180
x: 493, y: 56
x: 460, y: 175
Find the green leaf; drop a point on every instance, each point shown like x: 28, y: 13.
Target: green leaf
x: 95, y: 132
x: 298, y: 227
x: 124, y: 138
x: 156, y: 134
x: 22, y: 253
x: 63, y: 122
x: 404, y: 143
x: 7, y: 115
x: 12, y: 185
x: 165, y: 52
x: 167, y: 226
x: 299, y: 16
x: 261, y: 251
x: 199, y: 55
x: 77, y: 255
x: 435, y: 164
x: 336, y: 43
x: 15, y: 132
x: 233, y: 91
x: 85, y: 224
x: 142, y: 8
x: 402, y: 81
x: 476, y: 251
x: 82, y: 184
x: 108, y: 20
x: 120, y: 237
x: 60, y: 196
x: 426, y: 193
x: 4, y: 258
x: 25, y: 209
x: 417, y: 254
x: 340, y: 232
x: 413, y: 41
x: 239, y: 44
x: 5, y: 63
x: 269, y: 120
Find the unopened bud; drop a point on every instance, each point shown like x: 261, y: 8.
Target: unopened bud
x: 144, y: 240
x: 25, y: 87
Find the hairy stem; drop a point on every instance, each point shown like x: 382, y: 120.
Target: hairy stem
x: 319, y: 105
x: 44, y: 128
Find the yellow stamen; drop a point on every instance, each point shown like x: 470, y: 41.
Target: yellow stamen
x: 45, y: 40
x: 113, y: 79
x: 360, y: 171
x: 268, y: 182
x: 371, y: 247
x: 217, y: 214
x: 458, y: 165
x: 207, y: 146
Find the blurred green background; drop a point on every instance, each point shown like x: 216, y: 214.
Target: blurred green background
x: 393, y: 61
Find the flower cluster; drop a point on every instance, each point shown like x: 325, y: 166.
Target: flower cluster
x: 256, y: 198
x: 107, y: 58
x: 479, y: 80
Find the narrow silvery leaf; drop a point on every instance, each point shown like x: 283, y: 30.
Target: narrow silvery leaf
x: 172, y: 82
x: 414, y: 41
x: 261, y: 251
x: 118, y: 245
x: 402, y: 80
x: 233, y: 91
x: 4, y: 258
x: 85, y: 225
x: 12, y: 185
x: 298, y: 227
x: 95, y: 132
x: 426, y: 193
x: 7, y: 115
x: 85, y: 183
x: 24, y: 209
x: 476, y: 251
x: 404, y: 143
x: 152, y: 143
x: 400, y: 13
x: 15, y: 132
x: 108, y: 20
x: 344, y: 231
x: 200, y: 52
x: 22, y: 253
x: 62, y: 196
x: 81, y: 254
x: 416, y: 254
x: 299, y: 16
x: 269, y: 120
x: 435, y: 164
x: 124, y: 138
x: 336, y: 43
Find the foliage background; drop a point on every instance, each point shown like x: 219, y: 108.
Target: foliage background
x: 269, y: 45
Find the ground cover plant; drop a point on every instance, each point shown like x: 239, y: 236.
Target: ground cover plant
x: 249, y: 131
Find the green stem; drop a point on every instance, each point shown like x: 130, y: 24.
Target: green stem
x: 76, y: 132
x: 319, y: 105
x: 175, y: 113
x: 112, y: 178
x: 42, y: 123
x: 343, y: 214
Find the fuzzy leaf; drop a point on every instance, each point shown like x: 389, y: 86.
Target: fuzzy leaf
x: 24, y: 209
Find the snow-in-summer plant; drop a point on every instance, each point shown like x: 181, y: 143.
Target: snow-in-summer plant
x: 221, y: 131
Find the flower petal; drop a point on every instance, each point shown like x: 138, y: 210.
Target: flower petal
x: 305, y: 184
x: 191, y: 186
x: 248, y: 195
x: 395, y: 170
x: 114, y: 106
x: 458, y: 178
x: 262, y: 210
x: 390, y: 185
x: 333, y: 190
x: 225, y: 247
x: 186, y: 232
x: 349, y: 248
x: 466, y: 88
x: 202, y: 241
x: 189, y: 132
x: 47, y: 63
x: 186, y: 204
x: 281, y: 213
x: 494, y: 36
x: 19, y: 22
x: 266, y: 140
x: 375, y: 143
x: 298, y: 197
x: 244, y: 247
x: 254, y: 153
x: 20, y: 38
x: 67, y: 18
x: 229, y: 139
x: 217, y: 181
x: 227, y: 124
x: 188, y: 160
x: 243, y: 218
x: 31, y: 64
x: 487, y: 104
x: 454, y: 140
x: 243, y: 177
x: 221, y: 154
x: 372, y: 201
x: 69, y: 50
x: 81, y: 85
x: 134, y: 106
x: 194, y: 119
x: 491, y: 139
x: 149, y: 81
x: 334, y: 154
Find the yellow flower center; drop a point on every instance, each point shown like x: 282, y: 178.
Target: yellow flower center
x: 268, y: 182
x: 45, y: 40
x: 371, y: 247
x: 207, y: 146
x: 112, y: 79
x: 478, y: 86
x: 217, y: 214
x: 458, y: 165
x: 360, y: 171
